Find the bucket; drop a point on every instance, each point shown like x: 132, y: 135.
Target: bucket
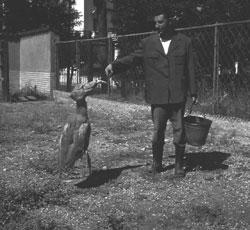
x: 196, y: 129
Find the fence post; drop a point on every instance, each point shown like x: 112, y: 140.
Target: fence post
x: 215, y: 69
x: 77, y: 62
x: 110, y: 59
x: 57, y: 67
x: 90, y: 67
x: 5, y: 70
x: 69, y: 70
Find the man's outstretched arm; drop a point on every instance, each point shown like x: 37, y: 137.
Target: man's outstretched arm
x: 125, y: 63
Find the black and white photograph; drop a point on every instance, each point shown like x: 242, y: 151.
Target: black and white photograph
x: 124, y: 114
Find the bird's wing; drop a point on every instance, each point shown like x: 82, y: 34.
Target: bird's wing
x: 84, y: 135
x: 66, y: 140
x: 67, y: 135
x: 74, y: 143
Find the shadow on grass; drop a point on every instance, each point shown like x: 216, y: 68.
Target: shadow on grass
x: 168, y: 167
x: 206, y: 161
x: 100, y: 177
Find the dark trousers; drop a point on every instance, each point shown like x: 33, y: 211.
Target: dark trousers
x: 160, y: 115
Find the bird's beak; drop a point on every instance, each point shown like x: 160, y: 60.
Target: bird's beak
x: 100, y: 81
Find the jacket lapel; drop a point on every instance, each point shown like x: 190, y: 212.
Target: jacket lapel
x: 173, y: 44
x: 157, y: 44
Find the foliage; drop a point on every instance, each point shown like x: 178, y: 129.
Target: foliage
x: 29, y: 92
x: 23, y: 15
x: 136, y: 16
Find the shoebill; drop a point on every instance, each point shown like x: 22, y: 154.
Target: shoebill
x: 74, y: 141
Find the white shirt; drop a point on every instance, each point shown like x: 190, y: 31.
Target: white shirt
x: 165, y: 45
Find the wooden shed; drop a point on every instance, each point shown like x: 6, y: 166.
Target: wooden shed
x: 31, y: 61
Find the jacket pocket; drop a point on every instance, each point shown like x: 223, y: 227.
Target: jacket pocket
x: 179, y: 57
x: 151, y: 55
x: 151, y: 59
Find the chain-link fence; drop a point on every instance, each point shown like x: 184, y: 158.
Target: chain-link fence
x: 222, y: 53
x: 81, y: 61
x: 84, y: 60
x: 223, y: 61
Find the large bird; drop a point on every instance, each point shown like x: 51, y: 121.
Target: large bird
x: 74, y: 141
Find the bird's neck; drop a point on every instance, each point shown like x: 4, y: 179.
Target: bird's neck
x: 81, y: 109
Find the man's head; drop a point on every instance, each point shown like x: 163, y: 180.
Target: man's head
x: 162, y: 23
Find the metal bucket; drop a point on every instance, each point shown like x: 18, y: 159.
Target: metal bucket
x: 196, y: 129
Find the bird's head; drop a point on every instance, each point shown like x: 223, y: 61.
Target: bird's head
x: 82, y: 90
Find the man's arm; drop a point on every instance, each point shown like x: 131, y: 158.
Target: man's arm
x: 191, y: 74
x: 126, y: 62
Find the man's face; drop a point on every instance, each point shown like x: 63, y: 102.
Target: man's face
x: 161, y: 24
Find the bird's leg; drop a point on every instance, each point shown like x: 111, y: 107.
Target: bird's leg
x: 60, y: 162
x: 89, y: 162
x: 83, y: 166
x: 60, y: 172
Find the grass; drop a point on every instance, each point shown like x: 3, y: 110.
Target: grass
x: 120, y: 194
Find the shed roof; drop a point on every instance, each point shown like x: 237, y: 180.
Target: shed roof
x: 10, y: 36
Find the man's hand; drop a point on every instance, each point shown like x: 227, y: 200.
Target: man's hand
x: 109, y: 70
x: 195, y: 100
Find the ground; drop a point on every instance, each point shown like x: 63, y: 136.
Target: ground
x: 120, y: 194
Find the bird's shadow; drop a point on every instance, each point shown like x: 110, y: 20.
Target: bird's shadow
x: 207, y: 161
x: 100, y: 177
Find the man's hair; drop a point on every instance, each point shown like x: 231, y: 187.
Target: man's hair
x: 162, y: 10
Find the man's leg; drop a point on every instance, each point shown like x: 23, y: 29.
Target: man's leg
x: 179, y: 160
x: 159, y: 118
x: 177, y: 120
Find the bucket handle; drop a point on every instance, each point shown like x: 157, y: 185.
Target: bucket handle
x: 191, y: 108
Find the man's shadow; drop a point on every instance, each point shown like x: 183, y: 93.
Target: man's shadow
x: 207, y: 161
x: 100, y: 177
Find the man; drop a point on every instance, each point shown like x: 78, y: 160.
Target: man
x: 169, y: 76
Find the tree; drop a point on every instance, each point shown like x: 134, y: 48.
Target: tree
x: 136, y: 16
x: 212, y: 11
x: 23, y: 15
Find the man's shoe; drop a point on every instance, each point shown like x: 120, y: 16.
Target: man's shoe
x: 179, y: 161
x: 179, y: 172
x: 157, y: 150
x: 155, y: 168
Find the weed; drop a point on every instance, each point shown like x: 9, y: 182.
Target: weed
x: 17, y: 201
x: 38, y: 120
x: 36, y: 223
x: 115, y: 222
x: 26, y: 91
x: 44, y: 163
x: 212, y: 216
